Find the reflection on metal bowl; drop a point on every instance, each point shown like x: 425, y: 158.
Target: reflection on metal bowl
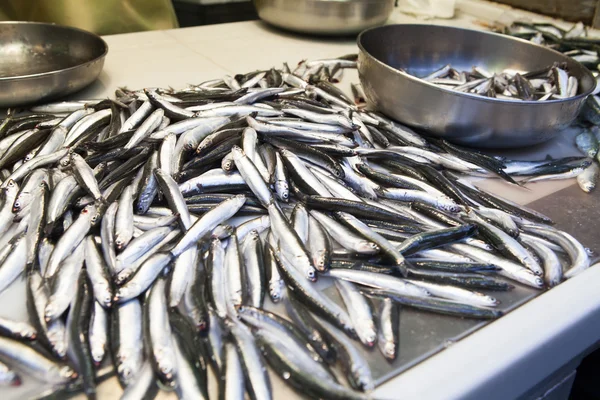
x: 462, y: 117
x: 40, y: 62
x: 325, y: 17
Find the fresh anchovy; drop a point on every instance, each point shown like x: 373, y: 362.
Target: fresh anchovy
x: 232, y: 377
x: 127, y: 341
x: 107, y: 232
x: 275, y: 282
x: 281, y: 180
x: 359, y: 311
x: 156, y: 320
x: 78, y: 323
x: 289, y: 244
x: 183, y: 268
x: 587, y: 143
x: 52, y: 333
x: 579, y: 258
x: 439, y: 306
x: 62, y: 291
x: 458, y: 294
x: 388, y: 329
x: 98, y: 273
x: 507, y: 245
x: 189, y: 384
x: 508, y: 268
x: 85, y: 176
x: 356, y: 368
x: 442, y: 202
x: 306, y: 323
x: 146, y: 128
x: 553, y: 273
x: 319, y: 245
x: 98, y: 333
x: 344, y: 236
x: 389, y: 283
x: 588, y: 178
x: 252, y: 176
x: 143, y: 387
x: 254, y: 269
x: 207, y: 222
x: 298, y: 171
x: 143, y: 277
x: 259, y: 224
x: 124, y: 219
x: 235, y: 281
x: 17, y: 329
x: 28, y: 360
x: 389, y: 252
x: 297, y: 359
x: 255, y: 372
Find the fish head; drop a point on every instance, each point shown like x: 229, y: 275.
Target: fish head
x: 67, y: 373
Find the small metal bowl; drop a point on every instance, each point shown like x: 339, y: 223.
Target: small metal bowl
x: 40, y: 62
x: 462, y: 117
x: 324, y: 17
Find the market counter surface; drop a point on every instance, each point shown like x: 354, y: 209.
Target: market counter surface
x: 523, y: 354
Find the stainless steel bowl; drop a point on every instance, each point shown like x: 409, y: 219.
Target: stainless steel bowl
x: 40, y: 62
x: 324, y: 17
x: 461, y: 117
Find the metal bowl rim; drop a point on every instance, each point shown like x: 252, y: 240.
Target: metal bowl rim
x: 57, y: 71
x: 471, y: 95
x: 337, y: 1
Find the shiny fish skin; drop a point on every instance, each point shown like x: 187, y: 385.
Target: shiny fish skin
x: 588, y: 178
x: 252, y: 176
x: 98, y: 273
x: 62, y: 291
x: 208, y: 221
x: 17, y: 329
x: 107, y: 232
x: 98, y: 333
x: 153, y: 226
x: 359, y: 310
x: 254, y: 269
x: 319, y: 245
x: 34, y: 363
x: 255, y: 371
x: 127, y: 341
x: 388, y: 329
x: 287, y: 241
x: 157, y: 326
x: 124, y: 219
x: 579, y: 257
x: 553, y: 273
x: 14, y: 264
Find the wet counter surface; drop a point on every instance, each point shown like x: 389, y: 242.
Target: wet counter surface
x: 507, y: 357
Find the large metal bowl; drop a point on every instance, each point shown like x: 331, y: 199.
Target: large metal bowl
x: 461, y: 117
x: 40, y: 62
x: 324, y: 17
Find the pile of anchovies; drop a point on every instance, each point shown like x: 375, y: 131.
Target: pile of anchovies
x: 576, y: 44
x: 549, y: 83
x: 152, y: 229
